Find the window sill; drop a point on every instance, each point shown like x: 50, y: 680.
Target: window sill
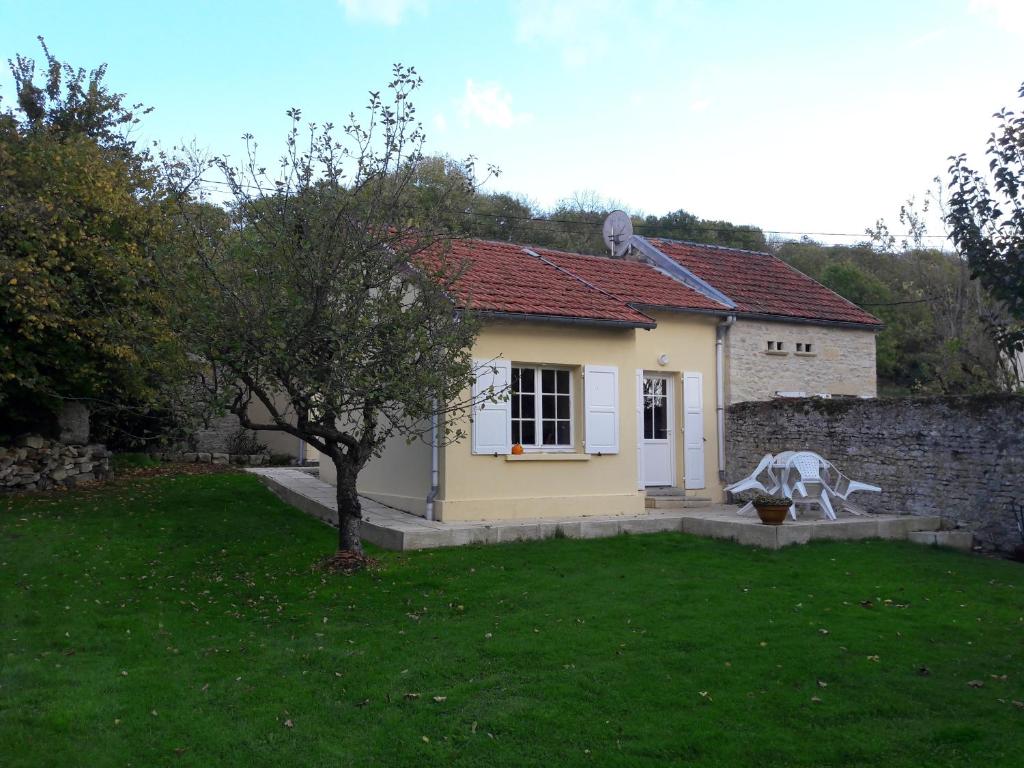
x: 776, y: 352
x: 539, y: 456
x: 806, y: 354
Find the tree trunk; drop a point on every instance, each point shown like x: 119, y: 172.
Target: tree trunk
x: 349, y: 510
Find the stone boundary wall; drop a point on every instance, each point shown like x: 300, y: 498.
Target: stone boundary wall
x: 214, y: 457
x: 961, y: 458
x: 35, y: 463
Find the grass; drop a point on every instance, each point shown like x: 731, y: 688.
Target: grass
x: 125, y: 461
x: 177, y: 621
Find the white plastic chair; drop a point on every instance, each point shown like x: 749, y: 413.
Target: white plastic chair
x: 808, y: 466
x: 840, y: 487
x: 752, y: 483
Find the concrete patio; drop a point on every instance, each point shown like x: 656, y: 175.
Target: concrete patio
x: 393, y: 529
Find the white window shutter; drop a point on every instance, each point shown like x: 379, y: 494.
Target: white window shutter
x: 492, y: 421
x: 640, y: 429
x: 601, y: 405
x: 693, y: 428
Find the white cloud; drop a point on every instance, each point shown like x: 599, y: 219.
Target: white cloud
x: 699, y: 105
x: 573, y: 25
x: 1008, y: 14
x: 490, y: 104
x: 440, y: 122
x: 587, y: 31
x: 388, y: 12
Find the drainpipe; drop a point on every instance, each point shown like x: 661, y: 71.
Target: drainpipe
x: 434, y: 456
x: 721, y: 330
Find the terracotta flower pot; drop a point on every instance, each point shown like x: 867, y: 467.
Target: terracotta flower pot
x: 772, y: 514
x: 517, y: 449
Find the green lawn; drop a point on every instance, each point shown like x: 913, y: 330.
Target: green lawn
x: 177, y: 621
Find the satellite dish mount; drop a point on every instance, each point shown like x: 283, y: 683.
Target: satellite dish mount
x: 617, y: 231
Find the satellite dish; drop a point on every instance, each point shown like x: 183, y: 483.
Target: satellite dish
x: 617, y: 231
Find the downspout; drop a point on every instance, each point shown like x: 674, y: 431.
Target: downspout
x: 434, y: 456
x: 721, y: 330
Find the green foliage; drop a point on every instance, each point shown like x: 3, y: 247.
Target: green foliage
x: 321, y: 292
x: 988, y: 228
x: 122, y: 461
x: 764, y: 500
x: 935, y: 339
x: 79, y: 313
x: 176, y: 621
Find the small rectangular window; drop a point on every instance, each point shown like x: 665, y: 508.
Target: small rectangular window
x: 778, y: 345
x: 807, y: 347
x: 655, y: 409
x: 771, y: 346
x: 799, y: 347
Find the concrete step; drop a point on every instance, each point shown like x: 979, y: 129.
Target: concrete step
x: 676, y: 502
x: 962, y: 540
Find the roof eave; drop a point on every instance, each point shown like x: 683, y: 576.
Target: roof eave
x: 808, y: 320
x: 642, y: 306
x: 531, y: 317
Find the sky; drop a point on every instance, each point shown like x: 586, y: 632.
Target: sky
x: 798, y: 117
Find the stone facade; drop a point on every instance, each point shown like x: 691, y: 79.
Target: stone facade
x: 960, y: 458
x: 37, y: 464
x: 841, y: 361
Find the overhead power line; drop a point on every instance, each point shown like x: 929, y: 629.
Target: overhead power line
x: 641, y: 226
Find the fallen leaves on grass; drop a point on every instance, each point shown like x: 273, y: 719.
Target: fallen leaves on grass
x: 346, y: 562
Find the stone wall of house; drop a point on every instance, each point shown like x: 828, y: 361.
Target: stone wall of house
x: 35, y: 463
x: 840, y: 361
x: 961, y: 458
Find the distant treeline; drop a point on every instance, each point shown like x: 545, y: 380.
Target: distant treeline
x: 936, y: 337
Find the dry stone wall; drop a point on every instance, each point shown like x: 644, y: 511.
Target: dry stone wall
x: 35, y: 463
x: 961, y: 458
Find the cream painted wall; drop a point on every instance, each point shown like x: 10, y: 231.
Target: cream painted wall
x: 399, y: 477
x: 492, y: 487
x: 689, y: 342
x: 560, y: 484
x: 278, y: 442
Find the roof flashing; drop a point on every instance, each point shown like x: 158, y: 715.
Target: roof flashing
x: 677, y: 271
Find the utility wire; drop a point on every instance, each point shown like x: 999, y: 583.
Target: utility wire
x: 738, y: 228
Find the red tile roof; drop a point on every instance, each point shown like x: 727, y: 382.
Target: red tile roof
x: 506, y: 278
x: 760, y: 283
x: 502, y: 277
x: 633, y: 282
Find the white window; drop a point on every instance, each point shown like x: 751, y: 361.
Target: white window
x: 655, y: 409
x: 541, y: 400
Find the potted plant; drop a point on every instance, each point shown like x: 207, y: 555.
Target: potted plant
x: 772, y: 509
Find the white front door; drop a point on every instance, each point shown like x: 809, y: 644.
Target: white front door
x: 658, y: 453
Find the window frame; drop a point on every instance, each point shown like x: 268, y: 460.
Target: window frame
x: 538, y: 412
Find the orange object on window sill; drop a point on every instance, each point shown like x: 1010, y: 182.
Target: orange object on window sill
x: 517, y: 449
